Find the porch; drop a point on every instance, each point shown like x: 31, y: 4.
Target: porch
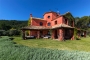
x: 63, y: 34
x: 36, y: 31
x: 60, y: 32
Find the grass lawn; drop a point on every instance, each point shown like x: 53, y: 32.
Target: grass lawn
x: 9, y: 50
x: 80, y: 45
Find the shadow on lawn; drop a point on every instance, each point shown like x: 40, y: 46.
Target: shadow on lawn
x: 78, y: 39
x: 11, y: 38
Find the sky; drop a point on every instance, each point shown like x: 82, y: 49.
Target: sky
x: 21, y: 9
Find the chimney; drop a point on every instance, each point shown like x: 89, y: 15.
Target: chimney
x: 30, y: 15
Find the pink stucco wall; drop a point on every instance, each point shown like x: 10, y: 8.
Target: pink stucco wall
x: 59, y: 21
x: 46, y: 17
x: 37, y: 22
x: 53, y: 17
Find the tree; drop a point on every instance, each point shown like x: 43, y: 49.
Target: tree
x: 76, y: 21
x: 14, y: 32
x: 82, y: 22
x: 29, y: 23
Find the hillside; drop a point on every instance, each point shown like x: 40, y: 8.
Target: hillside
x: 8, y: 24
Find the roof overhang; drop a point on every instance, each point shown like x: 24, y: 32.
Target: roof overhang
x: 61, y: 26
x: 35, y: 28
x: 46, y: 28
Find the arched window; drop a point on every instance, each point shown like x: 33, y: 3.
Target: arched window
x: 41, y: 24
x: 49, y: 24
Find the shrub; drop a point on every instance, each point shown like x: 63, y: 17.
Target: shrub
x: 14, y: 32
x: 1, y: 32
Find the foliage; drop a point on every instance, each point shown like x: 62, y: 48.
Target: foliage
x: 9, y: 50
x: 82, y: 22
x: 70, y: 18
x: 29, y: 22
x: 88, y: 32
x: 1, y: 32
x: 27, y: 33
x: 8, y: 24
x: 14, y: 32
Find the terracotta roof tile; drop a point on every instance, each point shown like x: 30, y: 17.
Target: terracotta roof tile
x: 50, y: 12
x: 38, y: 18
x: 36, y: 27
x: 43, y: 27
x: 61, y: 25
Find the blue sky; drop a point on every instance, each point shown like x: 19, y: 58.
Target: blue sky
x: 21, y: 9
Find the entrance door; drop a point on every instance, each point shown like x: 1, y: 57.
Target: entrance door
x: 67, y: 34
x: 56, y: 36
x: 41, y: 34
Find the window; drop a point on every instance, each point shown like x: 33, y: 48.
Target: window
x: 49, y: 24
x: 41, y: 24
x: 65, y: 21
x: 57, y: 15
x: 72, y: 23
x: 55, y: 22
x: 48, y: 16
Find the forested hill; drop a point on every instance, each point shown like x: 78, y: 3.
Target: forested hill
x: 80, y: 22
x: 8, y: 24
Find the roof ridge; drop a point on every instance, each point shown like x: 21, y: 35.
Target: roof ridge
x: 37, y: 17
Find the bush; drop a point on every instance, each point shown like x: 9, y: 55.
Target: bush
x: 11, y: 38
x: 13, y: 32
x: 78, y: 38
x: 1, y: 32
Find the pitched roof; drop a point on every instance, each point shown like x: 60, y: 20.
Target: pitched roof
x: 45, y: 28
x: 38, y: 18
x: 50, y: 12
x: 35, y: 28
x: 61, y: 26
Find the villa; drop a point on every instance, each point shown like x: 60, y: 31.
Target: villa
x: 59, y: 26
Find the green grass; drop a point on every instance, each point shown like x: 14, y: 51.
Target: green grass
x: 11, y: 51
x: 80, y: 45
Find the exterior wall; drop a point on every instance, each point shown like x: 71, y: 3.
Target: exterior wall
x: 37, y: 22
x: 35, y: 33
x: 61, y: 34
x: 53, y: 17
x: 68, y: 22
x: 46, y: 17
x: 59, y: 21
x: 64, y: 21
x: 52, y: 36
